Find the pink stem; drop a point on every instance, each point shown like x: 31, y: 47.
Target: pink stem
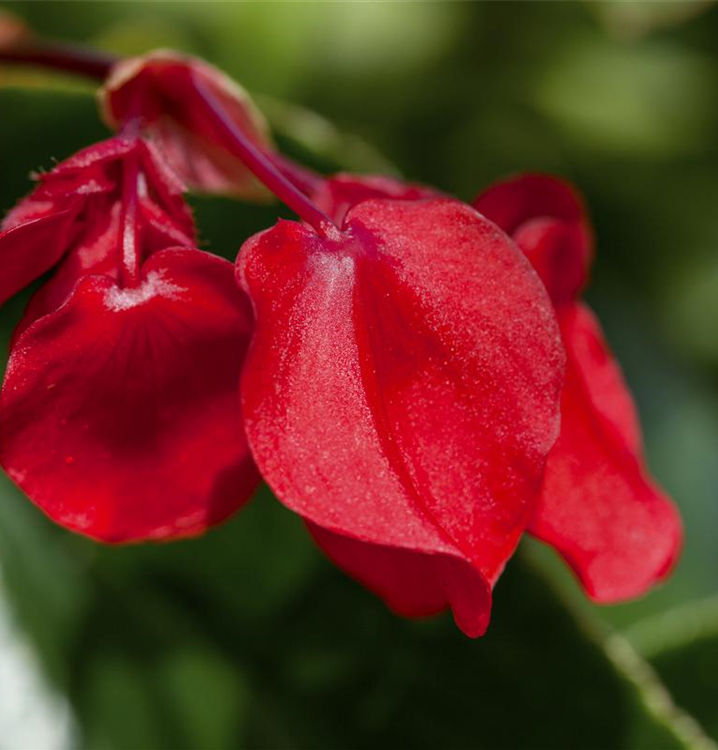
x: 97, y: 65
x: 259, y: 164
x: 130, y: 241
x: 60, y: 57
x: 303, y: 178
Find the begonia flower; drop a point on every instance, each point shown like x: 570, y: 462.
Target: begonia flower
x: 119, y: 409
x: 401, y: 394
x: 599, y: 506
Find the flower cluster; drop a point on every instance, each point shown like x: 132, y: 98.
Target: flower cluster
x: 414, y: 376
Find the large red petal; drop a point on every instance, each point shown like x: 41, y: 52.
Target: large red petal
x: 120, y: 415
x: 547, y: 218
x: 157, y: 86
x: 402, y: 386
x: 599, y: 507
x: 337, y: 194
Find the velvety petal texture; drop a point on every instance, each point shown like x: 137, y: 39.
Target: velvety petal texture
x: 401, y: 394
x: 157, y: 88
x: 119, y: 411
x: 599, y: 507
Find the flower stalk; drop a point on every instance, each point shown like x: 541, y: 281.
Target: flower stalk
x: 60, y: 57
x: 259, y: 164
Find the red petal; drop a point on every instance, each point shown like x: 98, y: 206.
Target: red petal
x: 86, y: 172
x: 599, y: 508
x: 29, y: 249
x: 156, y: 86
x: 97, y: 169
x: 31, y: 208
x: 165, y: 188
x: 337, y: 194
x: 402, y: 386
x: 165, y: 219
x: 547, y: 218
x: 119, y: 414
x: 97, y: 252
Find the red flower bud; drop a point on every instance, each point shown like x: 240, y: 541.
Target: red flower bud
x: 157, y: 89
x: 599, y: 506
x: 401, y: 394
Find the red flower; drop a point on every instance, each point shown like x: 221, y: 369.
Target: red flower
x: 599, y: 506
x: 401, y: 394
x: 118, y: 414
x: 158, y: 88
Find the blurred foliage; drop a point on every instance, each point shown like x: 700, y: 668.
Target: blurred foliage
x: 682, y: 643
x: 248, y: 637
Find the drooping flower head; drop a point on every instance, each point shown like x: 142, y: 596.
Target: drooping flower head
x: 401, y: 394
x: 402, y: 387
x: 598, y: 506
x: 118, y: 413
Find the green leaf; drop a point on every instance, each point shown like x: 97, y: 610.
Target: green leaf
x: 638, y: 100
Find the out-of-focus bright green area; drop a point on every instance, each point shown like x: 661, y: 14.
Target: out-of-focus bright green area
x: 248, y: 637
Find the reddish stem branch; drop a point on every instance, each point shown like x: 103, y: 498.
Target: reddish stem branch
x: 60, y: 57
x: 290, y: 182
x: 258, y: 163
x: 303, y: 178
x: 130, y: 240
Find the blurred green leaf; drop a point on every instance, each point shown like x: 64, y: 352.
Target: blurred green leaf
x: 692, y: 308
x: 42, y: 577
x: 632, y: 19
x: 155, y: 681
x: 643, y: 100
x: 682, y: 646
x: 327, y: 665
x: 538, y: 679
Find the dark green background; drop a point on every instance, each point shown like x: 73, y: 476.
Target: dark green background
x: 248, y: 637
